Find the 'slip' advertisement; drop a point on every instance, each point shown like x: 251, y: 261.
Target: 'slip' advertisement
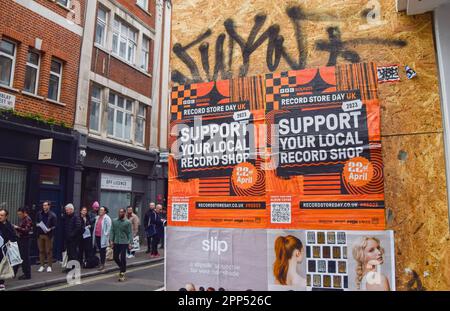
x: 281, y: 260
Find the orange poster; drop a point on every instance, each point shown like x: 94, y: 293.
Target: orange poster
x: 326, y: 168
x: 296, y: 150
x: 215, y: 170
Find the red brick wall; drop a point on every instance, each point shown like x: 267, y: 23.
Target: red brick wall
x: 23, y: 26
x: 74, y: 13
x: 118, y: 71
x: 147, y: 17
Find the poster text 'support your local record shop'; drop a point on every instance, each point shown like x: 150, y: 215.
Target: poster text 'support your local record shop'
x: 294, y: 150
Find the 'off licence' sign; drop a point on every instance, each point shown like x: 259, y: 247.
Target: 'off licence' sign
x: 116, y: 182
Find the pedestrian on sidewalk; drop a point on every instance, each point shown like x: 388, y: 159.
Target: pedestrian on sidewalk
x: 135, y: 222
x: 7, y: 234
x: 158, y: 224
x: 24, y: 232
x: 100, y: 238
x: 93, y: 213
x: 45, y: 238
x: 121, y: 240
x: 164, y: 218
x: 72, y: 233
x: 85, y: 247
x: 149, y: 230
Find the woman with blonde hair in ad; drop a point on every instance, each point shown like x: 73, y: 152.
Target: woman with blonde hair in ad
x: 288, y: 254
x: 368, y: 254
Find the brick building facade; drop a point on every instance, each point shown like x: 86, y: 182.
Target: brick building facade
x: 84, y: 78
x: 39, y: 65
x: 118, y: 106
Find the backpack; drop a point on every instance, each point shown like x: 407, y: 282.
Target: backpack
x: 92, y: 262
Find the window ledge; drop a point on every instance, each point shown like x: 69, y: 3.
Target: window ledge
x: 2, y: 86
x: 145, y: 10
x: 120, y: 139
x: 94, y: 132
x: 32, y: 95
x: 122, y: 60
x: 55, y: 102
x: 62, y: 6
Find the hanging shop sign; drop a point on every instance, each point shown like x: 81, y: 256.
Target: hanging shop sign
x: 116, y: 182
x: 282, y: 260
x: 45, y: 149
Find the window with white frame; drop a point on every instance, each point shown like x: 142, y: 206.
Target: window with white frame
x: 140, y: 123
x: 120, y: 111
x: 54, y: 84
x: 145, y: 53
x: 32, y: 72
x: 64, y: 3
x: 143, y: 4
x: 100, y: 29
x: 7, y: 62
x: 124, y: 41
x: 95, y: 109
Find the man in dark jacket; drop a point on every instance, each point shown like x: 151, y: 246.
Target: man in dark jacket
x: 158, y: 223
x: 24, y: 233
x: 85, y: 247
x: 7, y: 234
x: 45, y: 239
x: 72, y: 232
x: 149, y: 229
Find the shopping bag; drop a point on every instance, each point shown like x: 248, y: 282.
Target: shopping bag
x: 109, y: 253
x: 65, y: 259
x: 6, y: 270
x: 13, y: 254
x: 136, y: 245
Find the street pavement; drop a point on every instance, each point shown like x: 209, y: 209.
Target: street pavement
x: 146, y: 278
x: 56, y: 278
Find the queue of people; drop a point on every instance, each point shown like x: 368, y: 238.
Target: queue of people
x: 84, y: 234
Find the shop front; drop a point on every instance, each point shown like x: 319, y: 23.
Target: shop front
x: 118, y: 177
x: 37, y: 164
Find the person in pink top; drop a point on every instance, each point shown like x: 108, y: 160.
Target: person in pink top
x: 100, y: 238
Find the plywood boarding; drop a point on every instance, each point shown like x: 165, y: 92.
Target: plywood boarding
x: 281, y: 35
x: 415, y: 191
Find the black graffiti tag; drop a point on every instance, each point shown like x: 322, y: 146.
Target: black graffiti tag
x: 335, y: 46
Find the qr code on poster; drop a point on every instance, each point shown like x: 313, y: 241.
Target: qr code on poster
x: 180, y: 211
x: 280, y: 213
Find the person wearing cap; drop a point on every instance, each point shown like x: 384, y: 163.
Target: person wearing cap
x: 94, y: 211
x: 72, y: 232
